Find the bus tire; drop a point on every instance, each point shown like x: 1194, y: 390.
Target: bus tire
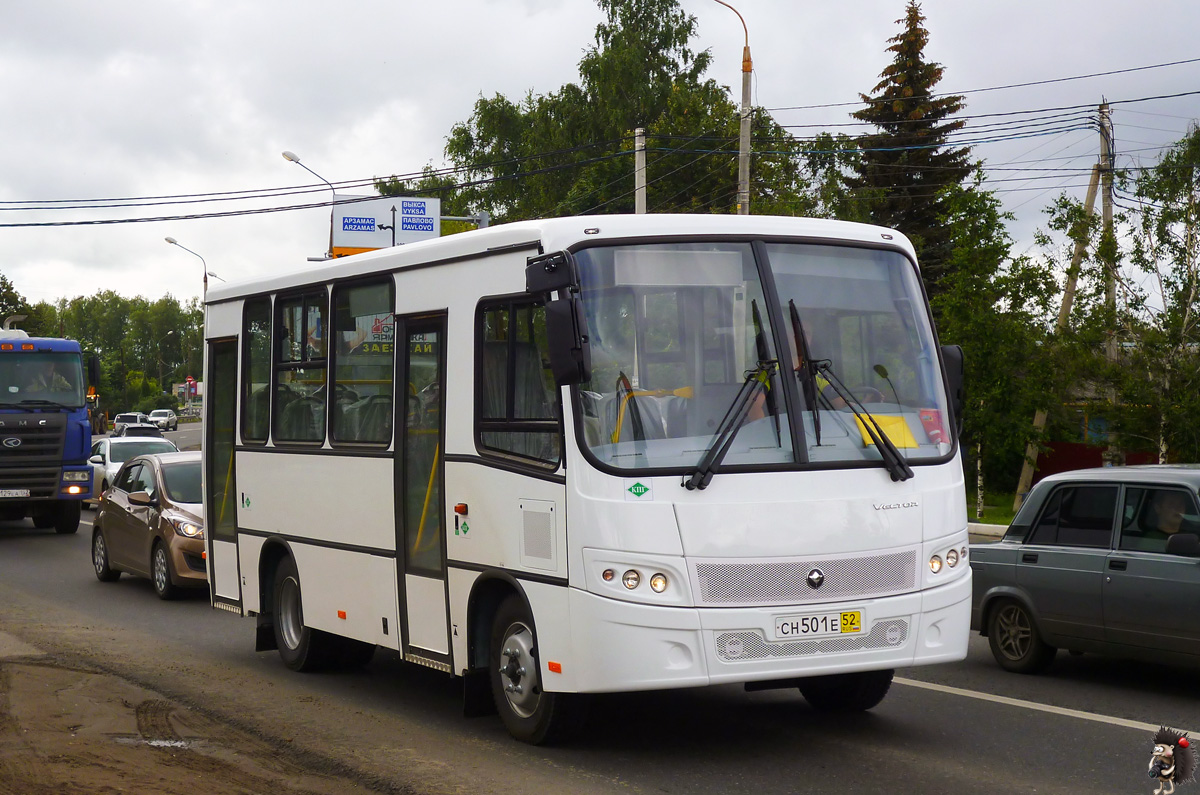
x: 104, y: 571
x: 301, y: 648
x: 855, y: 692
x: 529, y: 713
x: 66, y: 519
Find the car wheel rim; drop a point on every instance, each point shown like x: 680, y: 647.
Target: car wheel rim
x: 99, y: 554
x: 519, y: 671
x: 1014, y: 632
x: 291, y: 623
x: 161, y: 575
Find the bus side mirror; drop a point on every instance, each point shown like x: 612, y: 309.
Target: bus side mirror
x: 952, y: 356
x: 93, y: 370
x: 556, y: 271
x: 566, y: 336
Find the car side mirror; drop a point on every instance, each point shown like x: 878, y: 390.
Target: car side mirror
x: 96, y: 459
x: 142, y: 498
x: 1184, y: 544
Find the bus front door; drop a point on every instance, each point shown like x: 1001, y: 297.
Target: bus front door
x: 420, y: 519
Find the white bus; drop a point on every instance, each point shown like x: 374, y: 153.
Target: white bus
x: 594, y: 454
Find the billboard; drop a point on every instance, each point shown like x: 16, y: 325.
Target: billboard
x: 365, y: 223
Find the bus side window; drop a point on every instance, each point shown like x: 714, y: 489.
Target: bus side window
x: 517, y: 403
x: 363, y: 363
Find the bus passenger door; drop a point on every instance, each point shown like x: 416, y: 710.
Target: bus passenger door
x: 220, y: 508
x: 420, y: 523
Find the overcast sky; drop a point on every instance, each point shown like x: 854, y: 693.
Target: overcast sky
x: 127, y: 99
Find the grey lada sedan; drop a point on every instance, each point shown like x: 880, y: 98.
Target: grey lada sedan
x: 1097, y: 560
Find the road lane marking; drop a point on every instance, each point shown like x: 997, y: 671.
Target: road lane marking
x: 1019, y: 702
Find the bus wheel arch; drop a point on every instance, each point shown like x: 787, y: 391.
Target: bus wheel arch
x: 530, y: 713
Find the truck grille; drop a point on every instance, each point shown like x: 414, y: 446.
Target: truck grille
x: 41, y: 481
x: 779, y: 582
x: 32, y: 439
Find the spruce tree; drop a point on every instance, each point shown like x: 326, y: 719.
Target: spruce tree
x: 906, y: 167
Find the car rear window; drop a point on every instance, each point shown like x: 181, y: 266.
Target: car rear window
x: 125, y: 418
x: 124, y: 452
x: 182, y: 481
x: 159, y: 413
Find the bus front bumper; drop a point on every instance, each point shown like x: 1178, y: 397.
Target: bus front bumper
x: 625, y: 646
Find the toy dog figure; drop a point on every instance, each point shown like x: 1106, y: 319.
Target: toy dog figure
x: 1173, y: 760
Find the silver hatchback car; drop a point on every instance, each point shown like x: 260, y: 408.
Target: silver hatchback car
x: 1097, y: 560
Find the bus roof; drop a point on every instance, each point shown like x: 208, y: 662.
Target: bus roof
x: 555, y: 234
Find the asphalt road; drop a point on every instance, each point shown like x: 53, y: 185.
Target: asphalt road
x: 969, y: 727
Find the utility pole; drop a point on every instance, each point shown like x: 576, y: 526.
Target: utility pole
x: 639, y: 171
x: 1113, y: 455
x: 743, y: 200
x: 1064, y: 312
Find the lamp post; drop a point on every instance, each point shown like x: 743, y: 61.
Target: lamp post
x: 292, y: 157
x: 744, y: 129
x: 175, y: 242
x: 158, y: 347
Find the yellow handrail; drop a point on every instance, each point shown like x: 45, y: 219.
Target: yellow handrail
x: 683, y: 392
x: 428, y: 493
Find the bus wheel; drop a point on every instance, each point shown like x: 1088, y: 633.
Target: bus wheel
x: 301, y: 648
x: 529, y: 713
x: 67, y: 519
x: 854, y: 692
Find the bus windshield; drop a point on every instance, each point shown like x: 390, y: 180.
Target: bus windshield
x: 676, y: 329
x: 41, y: 377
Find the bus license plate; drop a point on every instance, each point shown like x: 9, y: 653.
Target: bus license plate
x: 14, y: 493
x: 819, y: 625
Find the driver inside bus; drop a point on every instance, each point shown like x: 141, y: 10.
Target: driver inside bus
x: 45, y: 378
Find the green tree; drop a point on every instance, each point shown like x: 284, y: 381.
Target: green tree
x: 907, y: 168
x: 570, y: 151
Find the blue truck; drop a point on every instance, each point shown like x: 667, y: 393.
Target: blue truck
x: 45, y: 432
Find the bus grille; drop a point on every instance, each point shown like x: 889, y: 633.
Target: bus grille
x: 751, y: 645
x: 786, y: 581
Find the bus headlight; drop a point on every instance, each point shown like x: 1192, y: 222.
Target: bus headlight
x: 632, y: 579
x: 658, y: 583
x: 935, y: 564
x: 952, y: 557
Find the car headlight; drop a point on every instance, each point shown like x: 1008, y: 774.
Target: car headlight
x: 186, y: 527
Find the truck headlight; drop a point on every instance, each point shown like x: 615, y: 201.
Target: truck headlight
x: 76, y: 476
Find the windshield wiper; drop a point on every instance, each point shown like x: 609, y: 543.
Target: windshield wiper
x: 764, y: 355
x: 808, y: 378
x: 897, y: 467
x: 731, y: 423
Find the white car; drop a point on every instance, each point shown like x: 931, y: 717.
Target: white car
x: 165, y: 419
x: 108, y: 454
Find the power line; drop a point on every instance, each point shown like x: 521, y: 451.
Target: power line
x: 999, y: 88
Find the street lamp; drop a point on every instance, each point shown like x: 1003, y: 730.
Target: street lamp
x: 158, y: 347
x: 744, y: 131
x: 292, y: 157
x: 175, y: 242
